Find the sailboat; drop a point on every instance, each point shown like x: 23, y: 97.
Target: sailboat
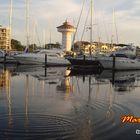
x: 52, y: 57
x: 83, y: 60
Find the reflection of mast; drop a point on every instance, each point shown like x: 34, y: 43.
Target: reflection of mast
x: 89, y: 97
x: 43, y: 87
x: 5, y: 80
x: 110, y: 113
x: 97, y: 92
x: 33, y: 86
x: 26, y: 100
x: 86, y: 127
x: 27, y: 23
x: 8, y: 92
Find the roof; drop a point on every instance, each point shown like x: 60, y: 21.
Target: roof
x: 66, y: 25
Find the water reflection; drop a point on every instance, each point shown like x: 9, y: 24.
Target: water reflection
x: 26, y: 101
x: 5, y: 86
x: 62, y: 103
x: 121, y: 80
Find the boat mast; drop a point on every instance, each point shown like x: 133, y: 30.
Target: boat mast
x: 114, y: 30
x: 44, y: 39
x: 114, y: 20
x: 50, y: 37
x: 112, y: 35
x: 10, y: 23
x: 78, y: 23
x: 27, y: 24
x: 33, y: 37
x: 91, y: 28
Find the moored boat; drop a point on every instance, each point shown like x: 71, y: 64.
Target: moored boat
x: 6, y: 57
x: 54, y: 57
x: 84, y: 61
x: 121, y: 62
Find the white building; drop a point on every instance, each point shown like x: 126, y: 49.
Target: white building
x: 5, y: 38
x: 66, y: 29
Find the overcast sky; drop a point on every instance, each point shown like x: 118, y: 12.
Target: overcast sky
x: 46, y: 15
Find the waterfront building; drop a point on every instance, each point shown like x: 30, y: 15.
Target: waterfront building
x: 53, y: 46
x: 5, y: 38
x: 85, y: 47
x: 67, y: 30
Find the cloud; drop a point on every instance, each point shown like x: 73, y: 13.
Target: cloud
x: 48, y: 14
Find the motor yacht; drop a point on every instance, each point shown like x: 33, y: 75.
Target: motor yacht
x: 54, y: 57
x: 122, y: 62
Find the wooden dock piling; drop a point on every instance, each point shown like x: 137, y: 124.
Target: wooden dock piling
x: 114, y: 62
x: 45, y: 65
x: 5, y: 58
x: 45, y: 60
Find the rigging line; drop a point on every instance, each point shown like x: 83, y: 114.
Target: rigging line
x: 85, y: 24
x: 105, y: 29
x: 98, y: 32
x: 37, y: 36
x: 78, y: 21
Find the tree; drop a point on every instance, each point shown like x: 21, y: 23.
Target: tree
x: 16, y: 45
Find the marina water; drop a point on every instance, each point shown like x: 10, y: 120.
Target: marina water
x: 60, y: 103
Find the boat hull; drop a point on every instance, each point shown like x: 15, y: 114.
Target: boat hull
x: 81, y: 62
x: 36, y: 59
x: 120, y: 63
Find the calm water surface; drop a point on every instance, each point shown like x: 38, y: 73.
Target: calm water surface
x: 63, y: 104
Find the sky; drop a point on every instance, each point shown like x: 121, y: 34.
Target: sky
x: 46, y: 15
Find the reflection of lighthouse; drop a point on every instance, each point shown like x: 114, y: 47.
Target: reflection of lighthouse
x: 65, y: 86
x: 66, y: 29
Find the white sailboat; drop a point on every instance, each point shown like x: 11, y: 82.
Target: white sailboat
x: 54, y: 56
x: 88, y: 60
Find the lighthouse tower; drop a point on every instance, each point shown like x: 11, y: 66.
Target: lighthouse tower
x: 66, y: 29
